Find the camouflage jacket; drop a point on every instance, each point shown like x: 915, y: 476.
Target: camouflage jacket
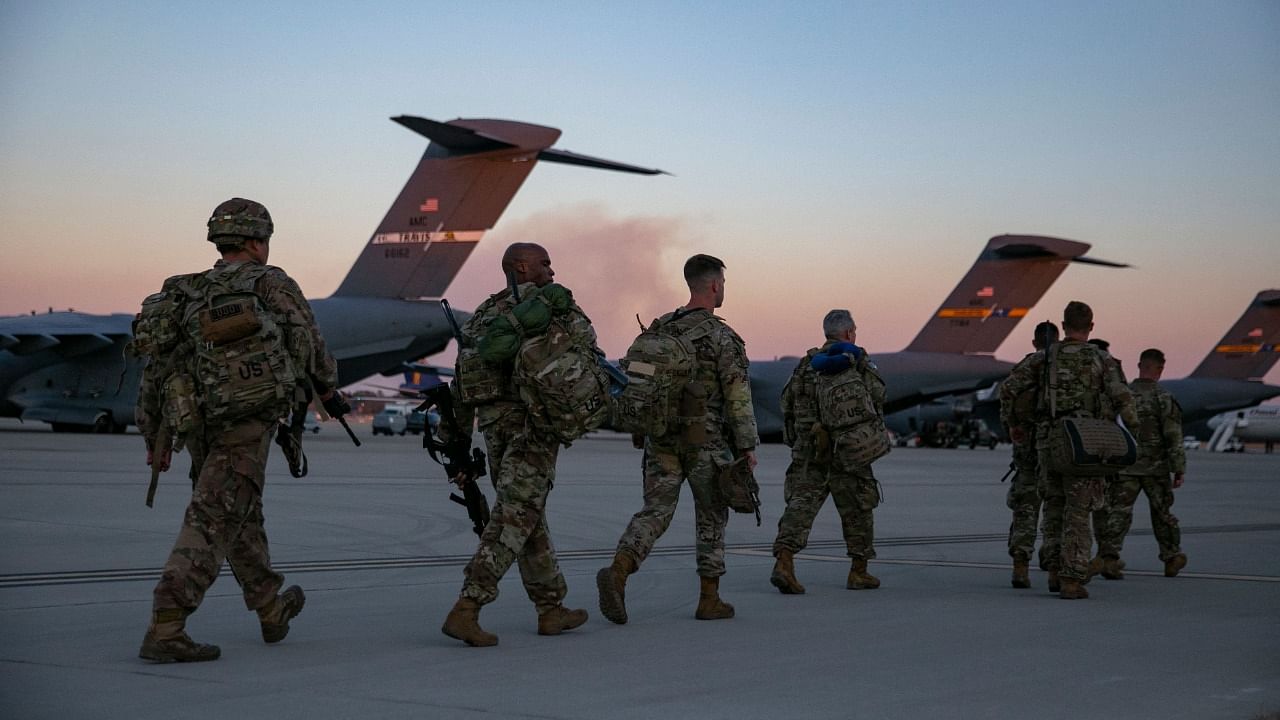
x: 291, y: 311
x: 489, y: 310
x: 800, y: 396
x: 1085, y: 383
x: 1159, y: 431
x: 722, y: 369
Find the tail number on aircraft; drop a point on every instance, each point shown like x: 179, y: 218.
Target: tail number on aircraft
x: 396, y: 252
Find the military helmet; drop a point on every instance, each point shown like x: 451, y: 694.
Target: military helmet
x: 240, y: 219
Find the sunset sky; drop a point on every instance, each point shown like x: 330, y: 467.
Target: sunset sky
x: 846, y: 154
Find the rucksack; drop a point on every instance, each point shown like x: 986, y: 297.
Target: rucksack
x: 661, y: 369
x: 559, y: 378
x: 240, y: 362
x: 844, y: 400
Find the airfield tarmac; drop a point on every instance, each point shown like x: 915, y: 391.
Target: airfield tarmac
x: 372, y: 538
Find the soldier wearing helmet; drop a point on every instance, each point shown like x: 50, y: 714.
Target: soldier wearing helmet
x: 241, y: 347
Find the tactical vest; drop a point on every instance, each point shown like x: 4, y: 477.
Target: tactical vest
x: 559, y: 378
x: 1074, y: 384
x: 663, y: 395
x: 240, y: 364
x: 799, y: 400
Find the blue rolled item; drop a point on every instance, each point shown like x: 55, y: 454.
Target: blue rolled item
x: 837, y: 358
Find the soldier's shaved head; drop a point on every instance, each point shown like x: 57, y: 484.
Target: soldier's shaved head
x: 527, y: 262
x: 1045, y: 334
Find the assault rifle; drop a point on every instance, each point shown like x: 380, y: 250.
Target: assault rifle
x: 289, y: 437
x: 456, y: 455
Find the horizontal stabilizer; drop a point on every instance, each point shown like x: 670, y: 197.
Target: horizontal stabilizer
x: 570, y: 158
x: 466, y: 178
x: 1104, y: 263
x: 1009, y: 278
x: 1251, y: 347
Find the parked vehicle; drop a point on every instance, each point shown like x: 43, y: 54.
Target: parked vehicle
x: 391, y: 420
x: 312, y: 423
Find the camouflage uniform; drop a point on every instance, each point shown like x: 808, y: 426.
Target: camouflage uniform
x: 224, y: 519
x: 1086, y: 382
x: 818, y: 471
x: 731, y: 428
x: 1160, y: 455
x: 522, y: 465
x: 1023, y: 497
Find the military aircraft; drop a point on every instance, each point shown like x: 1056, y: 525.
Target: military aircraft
x: 1231, y: 376
x: 952, y: 354
x: 69, y: 369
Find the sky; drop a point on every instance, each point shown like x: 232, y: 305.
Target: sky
x: 846, y: 154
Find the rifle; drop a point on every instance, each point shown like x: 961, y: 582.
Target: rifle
x: 456, y: 455
x: 289, y: 438
x: 163, y: 445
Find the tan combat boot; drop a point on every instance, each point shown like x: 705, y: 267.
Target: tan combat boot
x: 784, y: 574
x: 1096, y: 564
x: 1054, y: 584
x: 859, y: 578
x: 1113, y: 568
x: 166, y: 640
x: 463, y: 623
x: 1174, y: 565
x: 710, y: 606
x: 275, y: 615
x: 1021, y: 579
x: 611, y: 582
x: 560, y: 618
x: 1073, y: 590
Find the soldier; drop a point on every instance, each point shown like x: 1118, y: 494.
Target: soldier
x: 1160, y: 455
x: 824, y: 460
x: 721, y: 370
x: 248, y: 344
x: 1023, y: 497
x: 1072, y: 379
x: 522, y: 463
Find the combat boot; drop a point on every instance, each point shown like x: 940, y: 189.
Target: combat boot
x: 275, y: 615
x: 1096, y: 564
x: 859, y: 578
x: 560, y: 618
x: 1072, y: 590
x: 1054, y: 584
x: 611, y: 582
x: 1020, y: 579
x: 1113, y: 568
x: 710, y: 606
x: 166, y: 640
x: 1174, y: 565
x: 784, y: 574
x: 463, y: 623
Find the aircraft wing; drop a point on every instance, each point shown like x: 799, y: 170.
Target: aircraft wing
x: 69, y: 334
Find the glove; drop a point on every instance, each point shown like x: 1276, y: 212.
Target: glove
x: 336, y: 405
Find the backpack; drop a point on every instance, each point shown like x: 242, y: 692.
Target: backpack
x: 661, y: 368
x: 240, y: 362
x: 843, y: 400
x: 559, y: 378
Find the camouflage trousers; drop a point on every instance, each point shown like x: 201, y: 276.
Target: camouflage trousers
x: 666, y: 467
x: 1068, y: 502
x: 1122, y: 493
x: 522, y: 465
x: 1023, y: 499
x: 224, y: 521
x: 853, y: 490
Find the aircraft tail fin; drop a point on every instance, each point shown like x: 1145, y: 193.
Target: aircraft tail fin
x: 466, y: 178
x: 1251, y: 347
x: 1010, y: 276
